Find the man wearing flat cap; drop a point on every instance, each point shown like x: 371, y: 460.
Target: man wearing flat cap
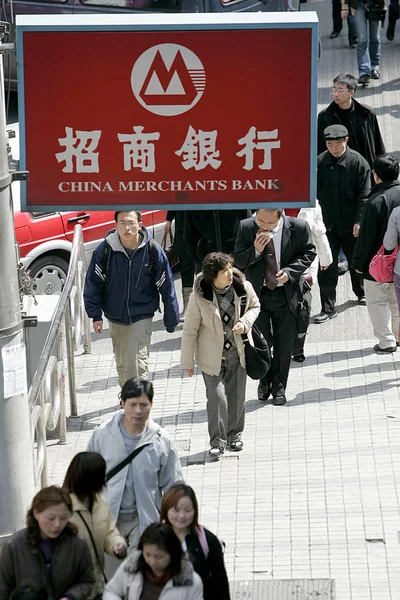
x: 343, y: 184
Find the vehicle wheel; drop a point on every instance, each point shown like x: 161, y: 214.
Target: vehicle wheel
x: 49, y: 274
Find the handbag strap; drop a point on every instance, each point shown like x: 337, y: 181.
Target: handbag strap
x: 165, y: 239
x: 93, y: 544
x: 123, y: 464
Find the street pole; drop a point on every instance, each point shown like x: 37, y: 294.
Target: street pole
x: 16, y: 446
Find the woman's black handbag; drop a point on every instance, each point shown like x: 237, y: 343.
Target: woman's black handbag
x: 304, y: 309
x: 257, y: 357
x: 376, y: 10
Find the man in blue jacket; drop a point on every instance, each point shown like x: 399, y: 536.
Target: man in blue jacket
x: 126, y: 276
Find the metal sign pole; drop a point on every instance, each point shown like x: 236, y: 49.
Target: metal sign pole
x: 16, y: 446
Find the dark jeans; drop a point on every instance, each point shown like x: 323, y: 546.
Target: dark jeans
x: 328, y: 279
x: 278, y: 324
x: 187, y: 270
x: 338, y: 23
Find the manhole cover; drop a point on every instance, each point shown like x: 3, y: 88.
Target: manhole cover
x: 284, y: 589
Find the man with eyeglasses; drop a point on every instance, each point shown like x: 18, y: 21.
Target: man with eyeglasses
x: 275, y: 251
x: 126, y: 276
x: 343, y: 184
x: 360, y: 121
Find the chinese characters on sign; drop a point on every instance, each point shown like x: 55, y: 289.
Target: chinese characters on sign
x: 198, y: 151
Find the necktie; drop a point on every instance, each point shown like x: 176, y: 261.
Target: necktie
x: 272, y: 267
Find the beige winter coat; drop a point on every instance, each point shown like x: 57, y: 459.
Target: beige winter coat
x: 203, y: 335
x: 105, y: 534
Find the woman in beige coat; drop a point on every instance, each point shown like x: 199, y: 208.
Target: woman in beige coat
x: 85, y: 478
x: 212, y: 339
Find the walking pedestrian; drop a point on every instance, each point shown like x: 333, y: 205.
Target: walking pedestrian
x: 275, y: 251
x: 313, y: 216
x: 180, y: 509
x: 343, y: 184
x: 142, y: 462
x: 84, y: 481
x: 381, y: 296
x: 212, y: 338
x: 181, y: 249
x: 208, y: 231
x: 368, y: 15
x: 126, y: 276
x: 48, y: 553
x: 394, y: 14
x: 338, y: 24
x: 156, y: 570
x: 360, y: 120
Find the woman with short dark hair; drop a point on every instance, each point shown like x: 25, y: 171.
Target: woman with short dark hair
x: 156, y: 570
x: 212, y: 338
x: 48, y: 552
x: 84, y: 480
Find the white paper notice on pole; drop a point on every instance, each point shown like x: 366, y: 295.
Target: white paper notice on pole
x: 14, y: 370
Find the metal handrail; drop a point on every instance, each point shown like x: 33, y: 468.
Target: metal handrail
x: 47, y: 392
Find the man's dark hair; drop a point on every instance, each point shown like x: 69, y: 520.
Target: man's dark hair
x: 163, y: 536
x: 279, y: 211
x: 346, y: 79
x: 86, y: 476
x: 29, y: 592
x: 215, y: 262
x: 135, y: 387
x: 386, y: 167
x: 138, y: 214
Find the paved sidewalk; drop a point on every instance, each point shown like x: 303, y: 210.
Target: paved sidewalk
x: 315, y: 492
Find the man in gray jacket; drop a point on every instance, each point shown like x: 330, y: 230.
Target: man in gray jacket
x: 135, y: 491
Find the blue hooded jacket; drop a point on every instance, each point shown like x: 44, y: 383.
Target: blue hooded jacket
x: 129, y: 289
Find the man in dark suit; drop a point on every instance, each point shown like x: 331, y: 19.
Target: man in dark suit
x: 274, y: 251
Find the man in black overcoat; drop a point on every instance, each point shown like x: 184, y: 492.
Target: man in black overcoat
x: 343, y: 184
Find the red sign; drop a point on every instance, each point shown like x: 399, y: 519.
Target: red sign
x: 168, y: 118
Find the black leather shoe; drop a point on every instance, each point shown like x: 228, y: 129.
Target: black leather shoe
x: 323, y: 317
x: 390, y: 31
x: 279, y: 400
x: 263, y: 392
x: 362, y: 301
x: 334, y: 35
x: 364, y: 79
x: 375, y: 74
x: 353, y: 43
x: 380, y: 350
x: 299, y: 358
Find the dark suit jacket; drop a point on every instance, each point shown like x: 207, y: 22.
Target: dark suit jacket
x: 297, y: 253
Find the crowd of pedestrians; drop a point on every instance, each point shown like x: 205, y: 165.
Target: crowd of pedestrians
x: 124, y: 525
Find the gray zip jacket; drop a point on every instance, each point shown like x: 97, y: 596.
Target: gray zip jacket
x: 155, y: 469
x: 392, y: 236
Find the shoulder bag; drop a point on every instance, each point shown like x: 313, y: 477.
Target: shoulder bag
x: 93, y: 544
x: 173, y: 259
x: 257, y: 357
x: 123, y: 463
x: 382, y: 265
x: 303, y: 315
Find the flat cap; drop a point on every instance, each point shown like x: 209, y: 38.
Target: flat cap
x: 335, y: 132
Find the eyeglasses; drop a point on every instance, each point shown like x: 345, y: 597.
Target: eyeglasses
x: 339, y: 90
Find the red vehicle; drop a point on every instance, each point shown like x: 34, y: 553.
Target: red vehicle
x: 45, y: 238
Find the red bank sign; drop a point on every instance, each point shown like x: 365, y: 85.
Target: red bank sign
x: 187, y: 111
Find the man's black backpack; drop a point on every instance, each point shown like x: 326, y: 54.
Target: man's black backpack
x: 107, y: 252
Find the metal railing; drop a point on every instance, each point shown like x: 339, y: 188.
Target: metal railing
x: 47, y: 395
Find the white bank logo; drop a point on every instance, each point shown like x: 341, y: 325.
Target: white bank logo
x: 168, y: 79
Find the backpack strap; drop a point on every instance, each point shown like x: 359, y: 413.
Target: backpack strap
x: 107, y: 252
x: 201, y: 534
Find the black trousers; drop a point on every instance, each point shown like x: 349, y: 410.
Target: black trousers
x: 338, y: 23
x: 328, y: 279
x: 278, y: 324
x: 394, y: 11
